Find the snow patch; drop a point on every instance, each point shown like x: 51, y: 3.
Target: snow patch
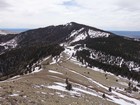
x: 14, y: 95
x: 68, y: 24
x: 12, y: 79
x: 37, y: 69
x: 51, y: 71
x: 12, y: 43
x: 95, y: 34
x: 55, y: 60
x: 46, y: 59
x: 81, y: 36
x: 60, y: 94
x: 70, y: 51
x: 73, y: 33
x: 123, y: 83
x: 124, y: 100
x: 76, y: 91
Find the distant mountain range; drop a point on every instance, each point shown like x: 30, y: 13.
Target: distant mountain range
x: 132, y: 34
x: 6, y: 32
x: 15, y: 30
x: 92, y: 46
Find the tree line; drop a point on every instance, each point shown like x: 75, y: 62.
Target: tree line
x: 15, y: 61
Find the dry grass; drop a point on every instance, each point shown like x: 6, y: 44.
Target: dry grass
x: 30, y: 91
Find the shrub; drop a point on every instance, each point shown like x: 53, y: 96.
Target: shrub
x: 104, y: 96
x: 135, y: 89
x: 69, y: 87
x: 110, y: 89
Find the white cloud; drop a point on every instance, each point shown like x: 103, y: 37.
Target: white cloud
x: 3, y: 5
x: 108, y: 14
x: 129, y: 5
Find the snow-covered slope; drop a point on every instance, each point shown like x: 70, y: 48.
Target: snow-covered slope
x: 102, y: 57
x: 9, y: 44
x: 83, y: 33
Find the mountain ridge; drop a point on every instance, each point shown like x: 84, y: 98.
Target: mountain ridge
x: 109, y: 49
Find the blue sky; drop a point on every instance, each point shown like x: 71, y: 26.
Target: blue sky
x: 104, y: 14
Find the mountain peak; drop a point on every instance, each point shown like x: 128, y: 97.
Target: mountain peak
x: 71, y: 24
x: 80, y: 25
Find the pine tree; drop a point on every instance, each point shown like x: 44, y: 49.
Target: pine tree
x: 110, y: 89
x: 69, y: 86
x: 104, y: 96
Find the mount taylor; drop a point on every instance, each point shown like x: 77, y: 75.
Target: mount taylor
x: 93, y: 47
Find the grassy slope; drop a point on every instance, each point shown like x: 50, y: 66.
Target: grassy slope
x: 31, y: 95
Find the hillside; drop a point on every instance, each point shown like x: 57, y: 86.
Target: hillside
x: 93, y: 60
x: 47, y: 85
x: 113, y: 53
